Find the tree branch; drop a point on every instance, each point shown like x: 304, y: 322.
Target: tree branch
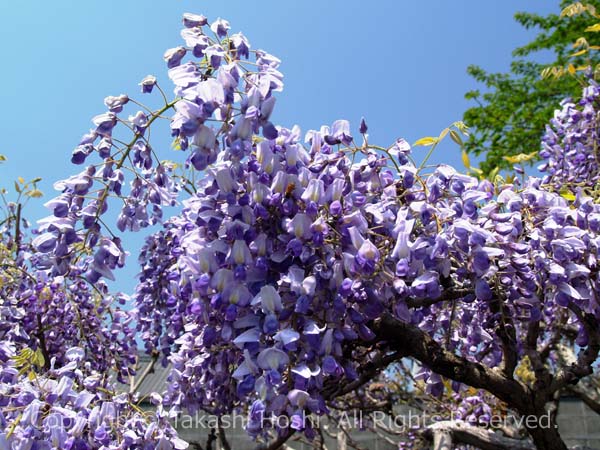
x: 586, y: 357
x: 449, y: 295
x: 42, y: 339
x: 222, y: 437
x: 542, y: 375
x: 591, y: 402
x: 409, y: 340
x: 276, y: 443
x: 506, y: 333
x: 463, y: 433
x: 369, y: 370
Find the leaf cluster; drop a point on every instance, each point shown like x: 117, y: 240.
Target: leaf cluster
x: 513, y: 108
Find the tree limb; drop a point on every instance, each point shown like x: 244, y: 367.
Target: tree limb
x: 277, y: 442
x: 591, y: 402
x: 409, y: 340
x: 463, y: 433
x: 586, y: 357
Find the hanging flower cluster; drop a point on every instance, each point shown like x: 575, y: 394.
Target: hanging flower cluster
x: 570, y: 145
x: 65, y: 409
x: 279, y: 263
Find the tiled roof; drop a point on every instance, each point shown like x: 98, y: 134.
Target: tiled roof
x: 154, y: 381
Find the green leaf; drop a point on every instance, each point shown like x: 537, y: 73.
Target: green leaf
x: 511, y: 114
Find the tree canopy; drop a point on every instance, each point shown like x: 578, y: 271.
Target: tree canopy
x: 513, y: 108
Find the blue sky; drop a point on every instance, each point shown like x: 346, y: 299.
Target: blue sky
x: 401, y: 64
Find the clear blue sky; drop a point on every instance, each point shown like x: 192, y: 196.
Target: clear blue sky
x: 400, y: 63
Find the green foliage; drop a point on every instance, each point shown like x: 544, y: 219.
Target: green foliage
x: 513, y: 108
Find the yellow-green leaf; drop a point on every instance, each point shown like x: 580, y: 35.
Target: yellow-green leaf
x: 443, y: 134
x: 580, y: 52
x: 23, y: 357
x: 426, y: 141
x: 546, y: 73
x: 581, y: 42
x: 593, y: 28
x: 35, y: 193
x: 520, y: 158
x: 13, y: 426
x: 2, y: 158
x: 462, y: 127
x: 465, y: 159
x: 573, y: 9
x: 170, y: 164
x: 21, y: 180
x: 456, y: 137
x: 38, y: 358
x: 568, y: 196
x: 494, y: 174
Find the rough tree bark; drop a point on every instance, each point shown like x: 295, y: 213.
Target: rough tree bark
x: 410, y: 341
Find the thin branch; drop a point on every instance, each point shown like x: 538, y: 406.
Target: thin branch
x: 276, y: 443
x: 583, y: 366
x: 18, y: 230
x: 369, y: 370
x: 221, y: 432
x: 42, y: 339
x: 592, y: 402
